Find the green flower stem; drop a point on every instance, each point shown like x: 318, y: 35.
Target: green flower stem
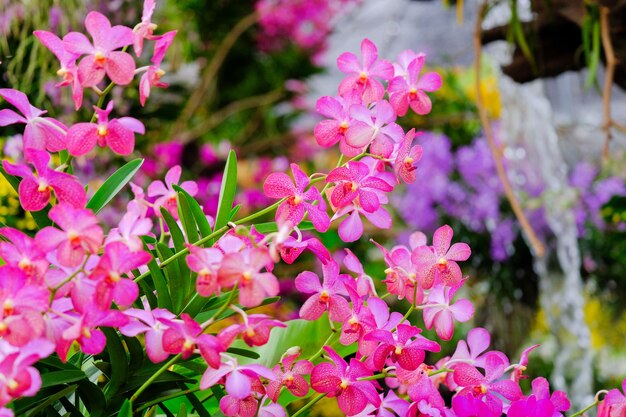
x: 154, y: 376
x: 581, y: 412
x: 440, y: 371
x: 321, y: 350
x: 309, y: 405
x: 375, y: 377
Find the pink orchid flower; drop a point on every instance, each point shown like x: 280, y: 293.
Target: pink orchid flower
x: 18, y: 376
x: 22, y: 304
x: 271, y: 410
x: 152, y: 76
x: 289, y: 374
x: 427, y: 400
x: 117, y: 134
x: 34, y: 190
x: 326, y: 296
x: 112, y: 286
x: 68, y: 70
x: 440, y: 314
x: 42, y: 133
x: 519, y: 368
x: 298, y: 201
x: 405, y: 347
x: 245, y: 268
x: 338, y: 379
x: 469, y: 406
x: 401, y: 65
x: 255, y: 329
x: 390, y: 405
x: 145, y: 28
x: 376, y: 127
x: 614, y: 403
x: 439, y: 262
x: 409, y: 91
x: 232, y: 406
x: 332, y: 130
x: 360, y: 321
x: 149, y: 322
x: 23, y: 252
x: 401, y: 274
x: 541, y: 403
x: 238, y: 378
x: 102, y: 56
x: 364, y: 283
x: 407, y: 157
x: 363, y: 78
x: 165, y: 193
x: 133, y: 225
x: 80, y: 234
x: 185, y: 336
x: 487, y: 385
x: 355, y: 182
x: 351, y: 228
x: 206, y: 263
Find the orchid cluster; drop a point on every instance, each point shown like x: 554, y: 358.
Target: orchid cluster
x: 169, y: 286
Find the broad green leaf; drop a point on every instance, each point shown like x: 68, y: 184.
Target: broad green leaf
x: 203, y: 224
x: 179, y: 245
x: 187, y: 218
x: 51, y: 399
x: 176, y: 284
x: 127, y: 409
x: 227, y: 191
x: 160, y: 285
x: 118, y: 361
x: 182, y: 411
x: 113, y: 185
x: 50, y: 379
x: 247, y: 353
x: 40, y: 217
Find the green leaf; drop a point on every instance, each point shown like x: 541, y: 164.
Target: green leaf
x: 179, y: 245
x: 113, y: 185
x: 182, y: 411
x: 50, y: 379
x: 40, y: 217
x: 234, y: 212
x: 175, y: 280
x: 187, y: 219
x: 51, y: 399
x: 227, y: 191
x: 203, y: 224
x: 127, y: 409
x: 247, y: 353
x: 118, y: 361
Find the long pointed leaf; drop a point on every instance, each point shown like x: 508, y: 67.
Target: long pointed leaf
x: 227, y: 191
x: 113, y: 185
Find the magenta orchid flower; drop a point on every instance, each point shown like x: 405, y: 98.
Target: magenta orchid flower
x: 489, y: 384
x: 363, y: 77
x: 145, y: 28
x: 364, y: 283
x: 440, y: 314
x: 289, y: 374
x: 151, y: 323
x: 469, y: 406
x: 376, y: 127
x: 351, y: 228
x: 407, y: 157
x: 427, y: 401
x: 23, y: 252
x: 326, y: 296
x: 152, y: 76
x: 245, y: 268
x: 68, y: 70
x: 18, y: 376
x: 80, y: 234
x: 298, y: 201
x: 541, y: 403
x: 520, y: 367
x: 332, y: 130
x: 410, y: 90
x: 112, y: 286
x: 34, y: 190
x: 390, y: 405
x: 102, y: 56
x: 439, y: 262
x: 22, y: 304
x: 232, y: 406
x: 206, y: 263
x: 185, y: 336
x: 41, y: 133
x: 237, y: 377
x: 255, y: 329
x: 117, y: 134
x: 406, y: 347
x: 360, y: 321
x: 614, y: 403
x: 354, y: 182
x: 338, y: 379
x: 130, y: 229
x: 166, y: 194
